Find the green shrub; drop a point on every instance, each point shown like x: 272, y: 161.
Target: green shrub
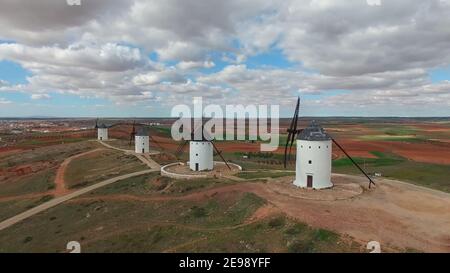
x: 325, y: 235
x: 295, y: 229
x: 300, y: 247
x: 277, y: 222
x: 27, y: 239
x: 198, y: 212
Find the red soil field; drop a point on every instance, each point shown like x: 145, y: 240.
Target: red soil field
x: 427, y: 153
x: 420, y: 152
x: 5, y: 151
x: 432, y: 127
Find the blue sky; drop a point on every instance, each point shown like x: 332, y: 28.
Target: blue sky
x: 13, y: 72
x: 439, y: 75
x: 110, y: 59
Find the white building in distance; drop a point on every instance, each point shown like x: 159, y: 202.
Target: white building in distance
x: 313, y: 165
x: 142, y: 142
x: 102, y: 132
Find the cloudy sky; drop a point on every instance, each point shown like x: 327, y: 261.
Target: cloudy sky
x: 141, y: 57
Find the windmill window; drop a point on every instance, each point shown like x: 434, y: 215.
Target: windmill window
x: 319, y: 147
x: 196, y: 154
x: 310, y: 147
x: 301, y: 146
x: 310, y: 162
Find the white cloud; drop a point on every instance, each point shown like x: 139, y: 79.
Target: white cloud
x: 4, y: 101
x: 3, y: 83
x: 40, y: 96
x: 107, y: 57
x: 378, y: 54
x: 194, y: 65
x: 157, y: 77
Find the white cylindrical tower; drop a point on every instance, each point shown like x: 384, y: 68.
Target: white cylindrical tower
x: 201, y: 155
x: 142, y: 142
x: 313, y: 166
x: 102, y: 132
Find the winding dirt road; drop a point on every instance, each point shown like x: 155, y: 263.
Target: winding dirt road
x: 64, y: 195
x: 54, y: 202
x: 397, y: 214
x: 60, y: 185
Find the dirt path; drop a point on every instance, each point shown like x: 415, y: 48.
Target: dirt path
x: 146, y: 159
x: 60, y: 187
x: 54, y: 202
x: 63, y: 195
x: 396, y: 214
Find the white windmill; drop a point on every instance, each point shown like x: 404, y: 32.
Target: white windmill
x: 314, y: 149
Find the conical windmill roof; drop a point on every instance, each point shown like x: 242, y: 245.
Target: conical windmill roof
x: 314, y: 132
x: 142, y: 131
x: 102, y: 126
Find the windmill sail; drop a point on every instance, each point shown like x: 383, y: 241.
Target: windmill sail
x: 292, y: 133
x: 354, y: 162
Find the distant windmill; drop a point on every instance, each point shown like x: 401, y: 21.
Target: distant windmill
x: 201, y: 151
x: 141, y: 134
x: 314, y: 146
x: 102, y: 131
x: 133, y: 133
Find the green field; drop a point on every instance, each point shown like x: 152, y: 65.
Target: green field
x: 154, y: 184
x: 211, y: 224
x: 257, y: 161
x: 121, y: 144
x: 387, y: 137
x: 36, y: 143
x: 55, y: 153
x: 34, y: 183
x: 98, y: 166
x: 393, y: 166
x: 11, y: 208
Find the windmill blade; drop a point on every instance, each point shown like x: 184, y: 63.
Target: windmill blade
x: 295, y: 131
x: 292, y: 133
x: 289, y: 143
x: 96, y: 124
x: 133, y: 133
x: 220, y: 154
x: 294, y: 137
x: 354, y: 162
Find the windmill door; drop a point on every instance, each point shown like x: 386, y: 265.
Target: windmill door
x: 309, y: 181
x: 196, y: 167
x: 143, y: 150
